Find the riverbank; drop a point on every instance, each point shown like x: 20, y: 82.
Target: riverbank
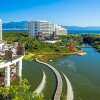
x: 45, y: 56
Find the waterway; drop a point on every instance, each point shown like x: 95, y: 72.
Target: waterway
x: 83, y: 72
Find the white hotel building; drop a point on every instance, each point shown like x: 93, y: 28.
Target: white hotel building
x: 44, y: 27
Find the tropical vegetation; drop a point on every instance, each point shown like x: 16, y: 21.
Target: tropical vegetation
x: 19, y: 92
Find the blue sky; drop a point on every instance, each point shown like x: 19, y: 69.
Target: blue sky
x: 66, y: 12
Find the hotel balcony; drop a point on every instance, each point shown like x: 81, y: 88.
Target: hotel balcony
x: 10, y: 62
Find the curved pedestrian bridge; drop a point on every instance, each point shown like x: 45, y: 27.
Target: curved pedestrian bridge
x: 69, y: 95
x: 41, y: 86
x: 59, y: 80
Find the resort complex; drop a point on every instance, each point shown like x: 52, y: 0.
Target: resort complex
x: 49, y: 65
x: 11, y: 57
x: 50, y: 50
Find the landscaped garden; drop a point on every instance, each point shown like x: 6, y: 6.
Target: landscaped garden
x: 43, y: 51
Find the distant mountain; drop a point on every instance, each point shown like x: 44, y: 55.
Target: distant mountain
x: 15, y: 25
x: 23, y: 25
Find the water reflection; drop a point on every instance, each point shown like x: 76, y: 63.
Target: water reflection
x: 84, y: 73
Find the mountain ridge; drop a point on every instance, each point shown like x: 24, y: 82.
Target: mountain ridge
x: 22, y: 26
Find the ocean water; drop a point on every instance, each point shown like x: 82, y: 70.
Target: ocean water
x: 15, y: 30
x: 83, y: 31
x: 68, y: 31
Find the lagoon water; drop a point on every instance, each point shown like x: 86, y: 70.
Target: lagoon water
x: 83, y: 72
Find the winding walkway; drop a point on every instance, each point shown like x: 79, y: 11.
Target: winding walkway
x: 59, y: 80
x: 70, y: 94
x: 41, y: 86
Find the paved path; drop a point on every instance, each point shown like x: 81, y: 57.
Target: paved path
x: 41, y: 86
x: 70, y: 94
x: 59, y: 80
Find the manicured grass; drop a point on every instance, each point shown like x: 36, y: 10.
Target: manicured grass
x: 28, y: 56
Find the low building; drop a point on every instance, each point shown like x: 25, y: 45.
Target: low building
x: 60, y: 30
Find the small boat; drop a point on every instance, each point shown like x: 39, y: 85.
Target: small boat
x: 50, y: 60
x: 81, y: 53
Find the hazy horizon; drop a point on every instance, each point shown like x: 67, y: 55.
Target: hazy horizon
x: 66, y: 12
x: 50, y: 21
